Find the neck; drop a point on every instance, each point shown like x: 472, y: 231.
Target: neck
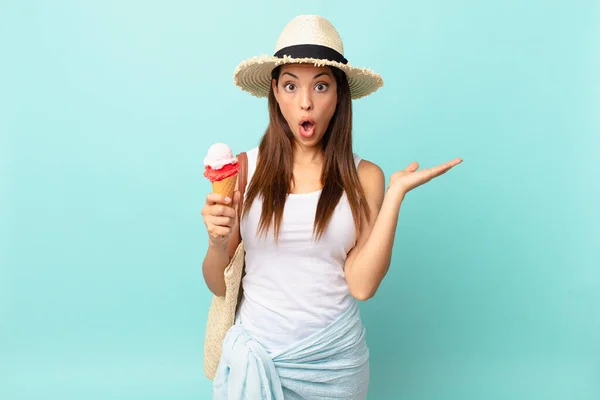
x: 307, y: 155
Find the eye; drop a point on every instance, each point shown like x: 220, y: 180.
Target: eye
x: 290, y: 87
x: 322, y: 87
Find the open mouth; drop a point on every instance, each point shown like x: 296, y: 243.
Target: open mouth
x: 307, y: 127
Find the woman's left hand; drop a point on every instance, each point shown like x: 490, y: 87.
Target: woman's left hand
x: 409, y: 178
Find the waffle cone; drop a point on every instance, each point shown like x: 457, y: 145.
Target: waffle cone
x: 226, y: 187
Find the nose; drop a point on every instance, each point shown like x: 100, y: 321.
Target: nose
x: 306, y: 101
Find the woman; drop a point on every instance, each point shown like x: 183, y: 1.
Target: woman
x: 318, y: 226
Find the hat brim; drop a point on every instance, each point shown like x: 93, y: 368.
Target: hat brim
x: 254, y: 75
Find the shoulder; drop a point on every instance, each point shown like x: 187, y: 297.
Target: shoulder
x: 369, y: 171
x: 372, y: 180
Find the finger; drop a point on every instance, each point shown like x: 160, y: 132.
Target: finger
x: 450, y: 165
x: 412, y: 167
x: 440, y: 169
x: 430, y: 173
x: 425, y: 175
x: 454, y: 162
x: 215, y: 198
x: 221, y: 221
x: 219, y: 210
x: 219, y: 231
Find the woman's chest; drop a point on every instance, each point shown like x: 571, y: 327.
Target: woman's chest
x: 296, y: 231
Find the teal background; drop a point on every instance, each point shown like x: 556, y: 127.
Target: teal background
x: 107, y: 109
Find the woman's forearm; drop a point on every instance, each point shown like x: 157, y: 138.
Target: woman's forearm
x: 213, y: 267
x: 373, y: 259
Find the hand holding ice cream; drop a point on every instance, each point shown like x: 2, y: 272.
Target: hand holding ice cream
x: 221, y: 168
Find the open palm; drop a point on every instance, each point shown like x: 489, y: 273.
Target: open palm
x: 409, y: 178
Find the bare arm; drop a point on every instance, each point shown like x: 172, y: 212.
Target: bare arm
x: 222, y: 224
x: 368, y: 262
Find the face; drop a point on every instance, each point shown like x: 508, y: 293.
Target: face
x: 307, y: 97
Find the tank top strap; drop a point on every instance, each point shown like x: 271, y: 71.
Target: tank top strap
x: 252, y: 155
x: 357, y: 160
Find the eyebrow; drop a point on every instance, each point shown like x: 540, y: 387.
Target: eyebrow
x: 314, y: 77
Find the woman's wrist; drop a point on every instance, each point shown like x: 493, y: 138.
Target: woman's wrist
x: 217, y: 246
x: 395, y: 193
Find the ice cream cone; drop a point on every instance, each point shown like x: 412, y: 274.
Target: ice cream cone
x: 221, y: 168
x: 225, y: 187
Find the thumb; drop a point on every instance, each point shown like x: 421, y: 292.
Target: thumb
x: 412, y: 167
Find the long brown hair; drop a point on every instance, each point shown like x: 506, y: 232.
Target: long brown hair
x: 273, y: 176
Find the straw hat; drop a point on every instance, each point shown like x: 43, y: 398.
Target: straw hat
x: 305, y: 39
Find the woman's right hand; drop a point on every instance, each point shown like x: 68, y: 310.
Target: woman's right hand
x: 219, y: 217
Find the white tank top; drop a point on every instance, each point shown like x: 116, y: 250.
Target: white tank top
x: 296, y: 287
